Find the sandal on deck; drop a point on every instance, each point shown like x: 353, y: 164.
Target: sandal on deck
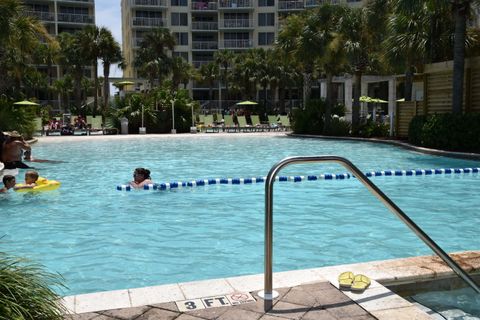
x: 360, y: 283
x: 345, y: 280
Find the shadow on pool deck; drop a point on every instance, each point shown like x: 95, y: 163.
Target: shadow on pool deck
x: 320, y: 301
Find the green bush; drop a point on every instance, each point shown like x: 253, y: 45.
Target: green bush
x: 339, y: 127
x: 26, y: 291
x: 310, y: 119
x: 18, y: 118
x: 372, y: 129
x: 456, y: 132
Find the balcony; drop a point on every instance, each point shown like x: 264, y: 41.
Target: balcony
x: 236, y: 24
x: 290, y: 5
x: 136, y: 42
x: 149, y: 3
x: 236, y: 4
x: 237, y: 44
x: 75, y: 18
x: 204, y: 45
x: 203, y: 6
x: 205, y: 25
x: 198, y: 64
x: 41, y: 15
x: 149, y: 22
x: 76, y: 1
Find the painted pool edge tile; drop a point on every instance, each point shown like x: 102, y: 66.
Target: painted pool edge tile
x: 246, y: 283
x: 205, y: 288
x: 155, y: 294
x: 406, y: 313
x: 69, y: 303
x: 106, y: 300
x: 378, y: 298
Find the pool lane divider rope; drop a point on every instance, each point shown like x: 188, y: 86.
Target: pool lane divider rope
x: 327, y: 176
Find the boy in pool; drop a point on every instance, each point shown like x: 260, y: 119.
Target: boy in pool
x: 141, y: 177
x: 8, y: 182
x: 31, y: 178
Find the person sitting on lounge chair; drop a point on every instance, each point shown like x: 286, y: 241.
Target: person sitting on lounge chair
x: 141, y: 177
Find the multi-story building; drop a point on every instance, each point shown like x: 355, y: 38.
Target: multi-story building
x: 62, y: 16
x: 202, y: 27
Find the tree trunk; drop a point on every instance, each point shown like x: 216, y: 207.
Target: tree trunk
x: 95, y: 90
x: 460, y: 8
x: 408, y: 83
x: 307, y: 87
x: 106, y: 87
x: 328, y: 105
x: 356, y: 99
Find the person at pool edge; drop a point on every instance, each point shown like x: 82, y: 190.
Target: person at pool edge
x: 141, y: 177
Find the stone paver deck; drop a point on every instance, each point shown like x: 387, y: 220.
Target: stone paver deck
x: 320, y: 301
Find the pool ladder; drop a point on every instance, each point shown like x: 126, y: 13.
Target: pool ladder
x: 268, y: 293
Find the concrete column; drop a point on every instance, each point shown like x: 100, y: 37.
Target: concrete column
x: 392, y: 96
x: 348, y: 99
x: 323, y: 90
x: 363, y: 92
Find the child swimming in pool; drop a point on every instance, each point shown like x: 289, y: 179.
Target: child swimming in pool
x: 141, y: 177
x: 8, y: 182
x: 31, y: 178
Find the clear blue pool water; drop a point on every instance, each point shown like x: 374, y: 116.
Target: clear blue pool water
x: 102, y: 239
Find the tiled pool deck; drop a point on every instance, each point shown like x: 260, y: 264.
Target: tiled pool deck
x: 304, y: 294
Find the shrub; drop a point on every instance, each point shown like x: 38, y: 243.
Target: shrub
x: 339, y: 127
x: 26, y: 291
x: 310, y: 119
x: 456, y: 132
x: 373, y: 129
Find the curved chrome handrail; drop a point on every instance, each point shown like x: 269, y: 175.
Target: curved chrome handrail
x: 268, y: 293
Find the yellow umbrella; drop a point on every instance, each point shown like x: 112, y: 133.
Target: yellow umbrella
x: 25, y: 103
x: 124, y: 83
x: 365, y: 99
x: 246, y: 103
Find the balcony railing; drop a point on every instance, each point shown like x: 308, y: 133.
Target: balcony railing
x: 236, y: 23
x: 203, y: 5
x: 136, y: 41
x: 149, y: 3
x: 232, y: 4
x: 41, y: 15
x: 198, y: 64
x: 204, y: 25
x: 290, y: 5
x: 82, y: 1
x: 149, y: 22
x: 75, y: 18
x: 204, y: 45
x: 237, y: 44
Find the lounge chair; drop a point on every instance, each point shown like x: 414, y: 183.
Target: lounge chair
x: 257, y: 124
x: 209, y: 125
x: 285, y: 121
x: 38, y: 125
x: 94, y: 124
x: 200, y: 122
x: 273, y: 122
x: 228, y: 123
x: 242, y: 124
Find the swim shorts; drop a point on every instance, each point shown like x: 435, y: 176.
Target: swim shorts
x: 16, y: 164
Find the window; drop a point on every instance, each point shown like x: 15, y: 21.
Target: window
x: 266, y: 19
x: 179, y: 3
x: 266, y: 38
x: 181, y: 38
x: 74, y: 10
x: 266, y: 3
x: 179, y: 19
x: 183, y: 55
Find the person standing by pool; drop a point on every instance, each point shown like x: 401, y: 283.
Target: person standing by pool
x: 141, y: 177
x: 12, y: 151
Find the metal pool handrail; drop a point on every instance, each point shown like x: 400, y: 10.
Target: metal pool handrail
x: 268, y: 293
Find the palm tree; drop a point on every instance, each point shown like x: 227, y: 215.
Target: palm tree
x: 224, y: 58
x: 182, y: 72
x: 19, y: 37
x: 109, y: 53
x: 152, y: 57
x: 209, y: 73
x: 89, y: 39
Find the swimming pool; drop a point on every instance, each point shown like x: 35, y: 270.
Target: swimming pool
x: 102, y: 239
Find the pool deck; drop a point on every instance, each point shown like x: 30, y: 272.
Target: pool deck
x: 303, y: 294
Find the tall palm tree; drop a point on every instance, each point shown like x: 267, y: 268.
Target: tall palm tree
x: 153, y: 59
x: 224, y: 58
x: 182, y: 72
x: 89, y: 40
x: 110, y: 53
x: 209, y: 73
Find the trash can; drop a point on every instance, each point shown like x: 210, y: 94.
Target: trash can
x: 124, y: 125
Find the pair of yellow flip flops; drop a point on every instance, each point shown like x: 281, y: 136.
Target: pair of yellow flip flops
x: 359, y: 282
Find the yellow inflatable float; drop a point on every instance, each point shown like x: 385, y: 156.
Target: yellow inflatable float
x: 42, y: 185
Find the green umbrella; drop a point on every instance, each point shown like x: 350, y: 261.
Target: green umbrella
x: 25, y: 103
x: 365, y: 99
x: 246, y: 103
x: 376, y: 100
x: 124, y: 83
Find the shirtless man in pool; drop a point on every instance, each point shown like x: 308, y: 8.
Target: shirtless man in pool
x: 13, y: 150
